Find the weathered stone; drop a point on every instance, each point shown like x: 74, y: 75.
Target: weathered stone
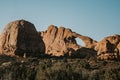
x: 20, y: 37
x: 61, y: 41
x: 109, y: 47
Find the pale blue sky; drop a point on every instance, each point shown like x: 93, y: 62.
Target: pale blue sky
x: 94, y: 18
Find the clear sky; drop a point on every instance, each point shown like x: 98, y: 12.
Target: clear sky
x: 93, y: 18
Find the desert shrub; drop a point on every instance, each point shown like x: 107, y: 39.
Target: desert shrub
x: 17, y: 71
x: 34, y: 68
x: 94, y: 75
x: 85, y: 64
x: 58, y: 71
x: 112, y: 74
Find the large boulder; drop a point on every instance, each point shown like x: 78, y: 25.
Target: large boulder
x: 20, y: 37
x: 109, y: 47
x: 61, y: 41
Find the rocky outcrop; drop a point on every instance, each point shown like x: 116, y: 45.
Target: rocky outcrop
x: 118, y: 47
x: 20, y: 37
x: 61, y: 41
x: 109, y: 47
x: 89, y: 42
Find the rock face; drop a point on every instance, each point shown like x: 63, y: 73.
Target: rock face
x: 109, y: 47
x: 61, y: 41
x: 20, y: 37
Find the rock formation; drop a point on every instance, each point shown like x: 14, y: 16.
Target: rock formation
x: 109, y: 47
x: 20, y: 37
x: 89, y: 42
x: 61, y: 41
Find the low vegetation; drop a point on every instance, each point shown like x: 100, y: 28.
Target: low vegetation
x: 33, y: 68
